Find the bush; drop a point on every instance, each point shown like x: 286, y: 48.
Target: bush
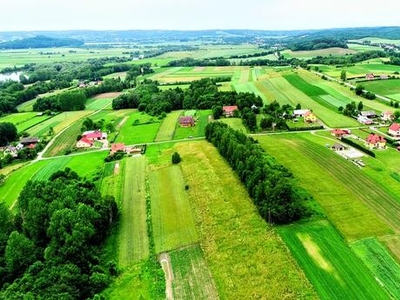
x: 176, y: 158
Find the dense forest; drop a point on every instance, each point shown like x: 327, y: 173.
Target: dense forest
x: 315, y: 44
x: 268, y: 183
x: 41, y: 41
x: 201, y: 94
x: 51, y: 248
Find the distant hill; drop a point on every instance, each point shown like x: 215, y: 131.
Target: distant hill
x: 41, y: 41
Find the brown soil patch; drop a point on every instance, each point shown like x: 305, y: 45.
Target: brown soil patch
x: 116, y: 168
x: 108, y: 95
x: 165, y: 262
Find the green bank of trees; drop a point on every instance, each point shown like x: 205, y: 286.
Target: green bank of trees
x: 8, y: 133
x: 268, y: 183
x: 51, y: 248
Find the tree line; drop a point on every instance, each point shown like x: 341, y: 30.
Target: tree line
x: 317, y: 43
x: 51, y: 248
x: 41, y: 41
x: 269, y: 184
x: 201, y: 94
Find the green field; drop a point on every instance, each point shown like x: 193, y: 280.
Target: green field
x: 167, y: 128
x: 173, y: 224
x: 24, y: 120
x: 361, y: 69
x: 244, y: 254
x: 14, y: 184
x: 196, y: 131
x: 101, y: 101
x: 235, y: 123
x: 138, y: 128
x: 112, y: 180
x: 133, y: 238
x: 26, y: 106
x: 362, y: 48
x: 377, y: 259
x: 51, y: 167
x: 192, y: 278
x: 332, y: 268
x: 384, y: 87
x: 313, y: 53
x: 353, y: 202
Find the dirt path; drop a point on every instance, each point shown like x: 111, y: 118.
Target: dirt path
x: 121, y: 123
x: 165, y: 262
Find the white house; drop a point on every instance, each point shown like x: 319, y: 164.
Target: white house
x: 387, y: 116
x: 300, y: 112
x: 394, y: 130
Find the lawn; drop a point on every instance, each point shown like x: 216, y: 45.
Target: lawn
x: 167, y: 128
x: 9, y: 192
x: 196, y: 131
x: 380, y: 263
x: 138, y: 128
x: 192, y: 278
x: 244, y: 254
x: 26, y: 106
x: 18, y: 118
x: 133, y: 237
x: 112, y: 180
x: 383, y: 87
x: 51, y: 167
x: 332, y: 268
x: 173, y: 223
x: 356, y: 212
x: 235, y: 123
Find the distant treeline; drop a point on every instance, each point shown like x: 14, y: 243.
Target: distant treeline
x: 41, y: 41
x: 316, y: 44
x: 348, y: 59
x: 268, y: 183
x: 201, y: 94
x: 75, y: 100
x: 191, y: 62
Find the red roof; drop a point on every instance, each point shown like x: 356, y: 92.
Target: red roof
x: 307, y: 113
x: 86, y: 140
x: 32, y: 146
x: 394, y: 127
x: 388, y: 112
x: 186, y: 120
x: 339, y: 131
x: 118, y: 147
x: 229, y: 108
x: 94, y: 135
x: 373, y: 138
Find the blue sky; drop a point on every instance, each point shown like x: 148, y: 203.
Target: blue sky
x: 192, y: 15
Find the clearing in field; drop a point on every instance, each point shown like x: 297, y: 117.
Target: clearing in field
x: 167, y: 128
x: 101, y: 101
x: 377, y: 259
x: 173, y: 224
x: 139, y: 128
x: 333, y: 269
x: 321, y: 52
x: 133, y: 237
x: 245, y: 255
x: 235, y: 123
x: 338, y: 190
x: 192, y: 278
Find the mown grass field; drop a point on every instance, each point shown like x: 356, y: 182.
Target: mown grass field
x: 133, y: 237
x: 245, y: 255
x: 313, y: 53
x: 173, y: 223
x: 138, y: 128
x: 15, y: 182
x: 389, y: 88
x: 24, y: 120
x: 98, y: 103
x: 191, y: 277
x: 168, y: 125
x: 352, y: 201
x: 361, y: 69
x: 330, y: 265
x: 380, y: 263
x: 196, y: 131
x: 235, y: 123
x: 362, y: 48
x: 50, y: 167
x: 113, y: 180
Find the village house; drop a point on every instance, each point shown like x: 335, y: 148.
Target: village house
x: 227, y: 111
x: 32, y: 140
x: 375, y: 141
x: 384, y: 77
x: 11, y: 150
x: 300, y: 112
x: 394, y: 130
x: 94, y: 135
x: 310, y: 117
x: 338, y: 147
x: 339, y: 133
x: 364, y: 120
x: 368, y: 114
x: 84, y: 143
x: 117, y: 147
x: 186, y: 121
x: 369, y: 76
x: 387, y: 116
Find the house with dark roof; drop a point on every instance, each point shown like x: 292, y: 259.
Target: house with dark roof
x: 29, y: 140
x: 368, y: 113
x: 338, y: 147
x: 394, y: 130
x: 375, y: 141
x: 227, y: 111
x: 186, y: 121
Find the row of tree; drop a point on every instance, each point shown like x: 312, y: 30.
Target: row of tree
x: 50, y: 248
x: 201, y: 94
x: 268, y: 183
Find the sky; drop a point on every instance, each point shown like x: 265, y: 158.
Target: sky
x: 29, y: 15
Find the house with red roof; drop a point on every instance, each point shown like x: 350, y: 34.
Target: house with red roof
x: 84, y: 143
x: 186, y: 121
x: 117, y: 147
x: 394, y: 130
x: 369, y: 76
x: 94, y: 135
x: 227, y: 111
x: 375, y: 141
x: 339, y: 133
x: 387, y: 116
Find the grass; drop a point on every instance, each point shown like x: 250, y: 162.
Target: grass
x: 98, y: 103
x: 352, y: 201
x: 313, y: 53
x: 192, y: 278
x: 167, y: 128
x: 377, y: 259
x: 196, y: 131
x: 245, y: 255
x: 26, y: 106
x: 14, y: 184
x: 383, y: 87
x: 235, y: 123
x: 139, y: 128
x: 332, y: 268
x: 173, y: 224
x: 112, y: 182
x: 133, y: 238
x: 51, y: 167
x: 87, y: 164
x: 18, y: 118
